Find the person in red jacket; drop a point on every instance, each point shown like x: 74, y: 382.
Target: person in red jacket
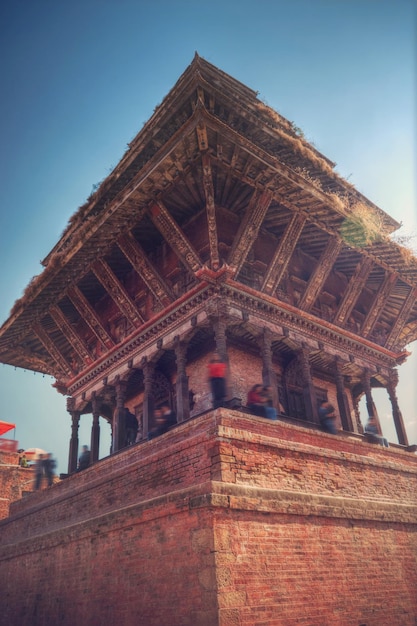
x: 217, y: 377
x: 256, y: 401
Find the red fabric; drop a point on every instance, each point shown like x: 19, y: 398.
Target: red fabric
x: 254, y: 397
x: 217, y: 369
x: 5, y: 427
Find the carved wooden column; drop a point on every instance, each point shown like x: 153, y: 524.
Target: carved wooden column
x: 119, y: 435
x: 309, y: 393
x: 148, y: 400
x: 342, y: 399
x: 219, y: 326
x: 396, y: 413
x: 370, y: 406
x: 182, y: 392
x: 73, y: 447
x: 269, y: 378
x: 95, y: 431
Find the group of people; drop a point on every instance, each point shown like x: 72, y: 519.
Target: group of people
x: 327, y: 418
x: 260, y: 401
x: 44, y: 468
x: 162, y: 419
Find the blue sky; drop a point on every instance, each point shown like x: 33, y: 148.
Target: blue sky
x: 80, y: 79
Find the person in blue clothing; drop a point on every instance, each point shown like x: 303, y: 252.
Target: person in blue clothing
x: 327, y: 417
x: 371, y: 429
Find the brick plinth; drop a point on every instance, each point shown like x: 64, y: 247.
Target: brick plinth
x: 226, y: 520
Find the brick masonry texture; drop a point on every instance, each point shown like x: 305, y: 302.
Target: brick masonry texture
x: 226, y: 520
x: 15, y: 481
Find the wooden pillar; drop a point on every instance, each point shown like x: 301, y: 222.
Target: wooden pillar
x: 148, y: 370
x: 219, y: 326
x: 119, y: 435
x: 73, y: 447
x: 342, y: 399
x: 182, y: 392
x: 309, y: 393
x: 396, y: 413
x: 95, y: 431
x: 370, y: 406
x: 269, y: 378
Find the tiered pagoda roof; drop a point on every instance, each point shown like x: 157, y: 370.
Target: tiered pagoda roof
x: 217, y: 194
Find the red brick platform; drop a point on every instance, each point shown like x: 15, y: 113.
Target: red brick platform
x: 228, y: 520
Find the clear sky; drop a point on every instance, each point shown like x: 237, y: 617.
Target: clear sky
x: 80, y: 78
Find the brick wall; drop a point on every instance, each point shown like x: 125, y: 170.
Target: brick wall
x: 14, y: 481
x: 226, y: 519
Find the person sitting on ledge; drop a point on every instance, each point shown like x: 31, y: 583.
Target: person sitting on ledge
x: 270, y: 410
x: 163, y: 419
x: 327, y: 417
x: 371, y: 429
x: 256, y: 401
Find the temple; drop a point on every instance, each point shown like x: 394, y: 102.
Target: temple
x: 220, y: 230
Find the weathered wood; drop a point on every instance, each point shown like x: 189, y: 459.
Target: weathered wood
x: 72, y: 336
x: 50, y: 346
x: 401, y: 320
x: 248, y: 230
x: 146, y: 270
x: 117, y: 292
x: 282, y: 256
x: 354, y: 289
x: 175, y: 237
x: 320, y: 274
x: 211, y: 211
x: 88, y: 314
x: 378, y: 304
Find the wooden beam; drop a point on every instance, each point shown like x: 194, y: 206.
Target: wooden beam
x: 321, y: 272
x: 248, y: 229
x: 401, y: 320
x: 353, y: 290
x: 282, y: 256
x: 69, y: 333
x: 117, y: 292
x: 173, y: 234
x: 210, y: 211
x: 90, y: 317
x: 143, y: 266
x: 378, y: 304
x: 50, y: 347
